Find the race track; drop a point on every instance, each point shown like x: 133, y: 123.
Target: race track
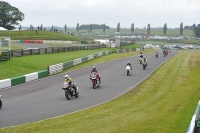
x: 44, y: 98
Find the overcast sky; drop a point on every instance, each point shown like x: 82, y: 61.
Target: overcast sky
x: 110, y: 12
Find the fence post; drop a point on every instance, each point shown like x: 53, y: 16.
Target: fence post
x: 45, y: 50
x: 22, y: 52
x: 11, y: 53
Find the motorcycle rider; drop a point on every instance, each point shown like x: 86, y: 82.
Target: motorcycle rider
x: 95, y: 70
x: 129, y: 64
x: 70, y: 82
x: 156, y: 52
x: 144, y: 60
x: 140, y: 55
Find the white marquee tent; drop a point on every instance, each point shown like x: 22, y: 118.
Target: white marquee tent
x: 1, y: 28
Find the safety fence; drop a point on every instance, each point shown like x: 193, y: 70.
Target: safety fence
x: 4, y: 56
x: 53, y: 69
x: 37, y: 51
x: 195, y: 122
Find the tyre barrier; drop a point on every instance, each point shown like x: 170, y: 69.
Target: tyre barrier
x: 195, y: 122
x: 23, y: 79
x: 53, y: 69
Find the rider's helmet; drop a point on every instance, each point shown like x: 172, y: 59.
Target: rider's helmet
x: 93, y: 67
x: 128, y: 62
x: 66, y: 77
x: 140, y: 52
x: 144, y: 57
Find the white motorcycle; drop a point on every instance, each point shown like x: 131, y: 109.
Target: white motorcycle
x: 128, y: 70
x: 0, y: 102
x: 140, y: 60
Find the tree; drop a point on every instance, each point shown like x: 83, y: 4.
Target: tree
x: 194, y: 25
x: 104, y: 28
x: 65, y: 28
x: 165, y: 29
x: 132, y: 27
x: 94, y: 26
x: 41, y: 27
x: 77, y: 27
x: 118, y: 27
x: 148, y: 28
x: 90, y: 27
x: 9, y: 16
x: 197, y: 31
x: 181, y: 28
x: 52, y: 28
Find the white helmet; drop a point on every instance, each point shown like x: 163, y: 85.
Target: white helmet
x: 129, y: 62
x: 144, y: 57
x: 66, y: 76
x: 93, y: 67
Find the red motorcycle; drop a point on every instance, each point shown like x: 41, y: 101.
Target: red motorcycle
x: 94, y: 77
x: 144, y: 64
x: 156, y: 54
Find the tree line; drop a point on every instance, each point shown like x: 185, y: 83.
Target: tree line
x: 10, y: 15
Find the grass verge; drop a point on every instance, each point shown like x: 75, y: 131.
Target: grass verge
x: 163, y: 103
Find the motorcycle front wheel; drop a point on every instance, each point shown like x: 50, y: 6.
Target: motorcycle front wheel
x: 67, y: 95
x: 127, y: 72
x: 1, y: 104
x: 94, y: 84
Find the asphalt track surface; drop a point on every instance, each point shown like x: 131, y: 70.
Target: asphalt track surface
x: 43, y: 99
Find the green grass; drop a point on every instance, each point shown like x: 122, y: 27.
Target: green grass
x: 41, y: 35
x: 164, y: 103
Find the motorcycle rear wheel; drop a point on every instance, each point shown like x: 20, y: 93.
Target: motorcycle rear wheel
x: 127, y: 73
x: 1, y: 104
x: 67, y: 95
x: 77, y: 94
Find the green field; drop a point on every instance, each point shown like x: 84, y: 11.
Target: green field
x: 163, y: 103
x: 41, y: 35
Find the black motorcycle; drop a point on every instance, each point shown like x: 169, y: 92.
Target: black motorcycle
x: 70, y: 91
x: 0, y: 102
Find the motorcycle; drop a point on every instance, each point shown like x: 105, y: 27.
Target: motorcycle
x: 156, y: 54
x: 140, y: 60
x: 69, y: 90
x: 95, y: 80
x: 144, y: 64
x: 164, y: 53
x: 128, y: 70
x: 0, y: 102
